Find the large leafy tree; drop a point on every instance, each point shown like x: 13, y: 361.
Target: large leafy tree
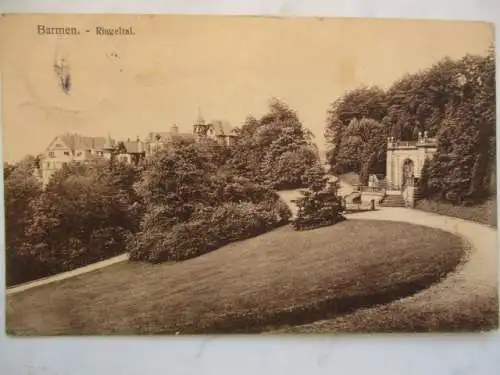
x: 21, y: 189
x: 453, y: 100
x: 175, y: 182
x: 363, y: 147
x: 85, y: 214
x: 463, y: 164
x: 275, y: 149
x: 364, y: 102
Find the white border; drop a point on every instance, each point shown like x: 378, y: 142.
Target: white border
x: 379, y: 354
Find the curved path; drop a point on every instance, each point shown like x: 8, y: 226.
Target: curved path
x: 469, y: 294
x: 481, y: 268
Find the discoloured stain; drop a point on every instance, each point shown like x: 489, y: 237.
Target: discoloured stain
x: 113, y: 56
x: 61, y: 68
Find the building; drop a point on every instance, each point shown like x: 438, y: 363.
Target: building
x: 132, y: 152
x: 158, y: 140
x: 220, y: 131
x: 406, y: 159
x: 69, y: 147
x: 75, y: 147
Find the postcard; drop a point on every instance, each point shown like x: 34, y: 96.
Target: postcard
x: 175, y: 174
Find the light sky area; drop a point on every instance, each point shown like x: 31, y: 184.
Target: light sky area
x: 229, y: 67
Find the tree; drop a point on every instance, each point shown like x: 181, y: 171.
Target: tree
x: 21, y: 189
x: 174, y: 182
x: 363, y: 148
x: 453, y: 101
x: 319, y: 204
x: 423, y: 182
x: 275, y: 149
x: 364, y: 102
x: 84, y: 215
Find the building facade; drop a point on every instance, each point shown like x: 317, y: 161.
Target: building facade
x: 219, y: 131
x: 71, y: 147
x: 68, y: 147
x: 406, y: 159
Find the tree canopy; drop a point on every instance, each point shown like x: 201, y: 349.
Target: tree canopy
x: 275, y: 149
x: 453, y: 100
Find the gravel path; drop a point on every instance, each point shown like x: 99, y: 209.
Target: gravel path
x: 472, y: 282
x: 481, y: 269
x: 67, y: 275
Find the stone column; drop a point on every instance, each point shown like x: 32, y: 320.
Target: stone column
x: 388, y: 169
x: 397, y: 172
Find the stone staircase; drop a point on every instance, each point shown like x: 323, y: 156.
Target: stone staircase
x: 393, y: 201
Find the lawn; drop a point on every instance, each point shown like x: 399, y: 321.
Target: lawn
x: 438, y: 309
x: 279, y: 278
x: 484, y: 213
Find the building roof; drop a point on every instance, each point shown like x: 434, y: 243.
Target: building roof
x: 134, y: 147
x: 222, y: 128
x: 169, y: 136
x: 78, y: 142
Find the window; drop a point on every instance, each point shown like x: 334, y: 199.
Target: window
x: 51, y: 154
x: 66, y: 153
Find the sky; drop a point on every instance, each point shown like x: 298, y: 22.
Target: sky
x: 228, y: 67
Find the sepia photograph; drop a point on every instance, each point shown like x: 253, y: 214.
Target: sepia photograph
x: 189, y: 174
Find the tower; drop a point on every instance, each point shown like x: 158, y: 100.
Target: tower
x: 200, y: 127
x: 108, y: 148
x: 108, y: 144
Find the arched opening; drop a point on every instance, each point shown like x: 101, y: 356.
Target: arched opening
x: 408, y: 172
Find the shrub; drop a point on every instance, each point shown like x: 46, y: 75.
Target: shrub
x: 319, y: 205
x: 210, y: 229
x: 86, y: 214
x: 21, y: 189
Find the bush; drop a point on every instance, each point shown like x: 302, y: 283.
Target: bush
x: 319, y: 206
x: 86, y: 214
x: 210, y: 229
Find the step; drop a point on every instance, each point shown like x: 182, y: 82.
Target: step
x: 393, y: 201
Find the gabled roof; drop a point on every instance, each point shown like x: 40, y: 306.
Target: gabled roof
x: 222, y: 128
x: 79, y: 142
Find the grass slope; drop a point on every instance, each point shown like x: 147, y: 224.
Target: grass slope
x: 282, y: 277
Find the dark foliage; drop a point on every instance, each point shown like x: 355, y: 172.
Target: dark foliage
x: 191, y: 208
x: 21, y: 189
x: 453, y: 101
x: 86, y: 213
x: 275, y: 149
x: 319, y: 206
x: 210, y: 229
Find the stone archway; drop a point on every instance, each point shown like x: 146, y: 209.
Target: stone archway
x: 408, y: 173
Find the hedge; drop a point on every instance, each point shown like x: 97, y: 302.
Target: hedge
x: 210, y: 229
